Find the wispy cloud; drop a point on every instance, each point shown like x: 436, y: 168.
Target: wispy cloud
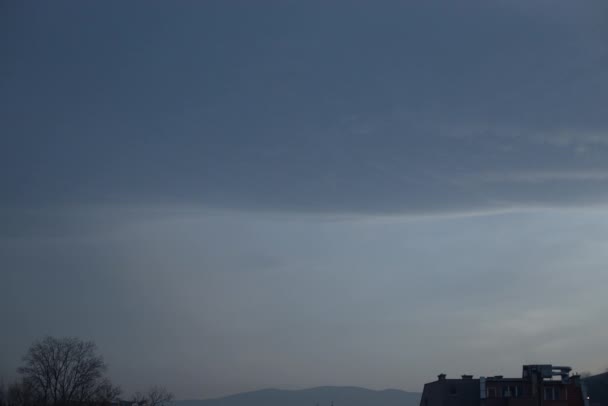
x: 542, y: 177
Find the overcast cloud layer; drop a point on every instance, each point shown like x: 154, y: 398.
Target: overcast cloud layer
x: 306, y: 105
x: 236, y: 195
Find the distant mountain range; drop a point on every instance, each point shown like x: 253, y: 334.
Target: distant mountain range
x: 321, y: 396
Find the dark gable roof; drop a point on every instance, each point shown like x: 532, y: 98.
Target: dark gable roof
x: 451, y: 392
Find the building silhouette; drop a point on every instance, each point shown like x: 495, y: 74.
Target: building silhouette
x: 539, y: 385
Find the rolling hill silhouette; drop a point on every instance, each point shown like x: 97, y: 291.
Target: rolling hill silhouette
x: 321, y: 396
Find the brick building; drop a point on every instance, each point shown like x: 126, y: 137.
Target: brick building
x: 537, y: 386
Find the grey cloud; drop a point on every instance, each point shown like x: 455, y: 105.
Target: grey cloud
x: 226, y: 191
x: 306, y: 107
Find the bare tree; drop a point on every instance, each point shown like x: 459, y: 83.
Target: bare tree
x: 20, y: 394
x: 155, y: 396
x: 105, y: 393
x: 60, y: 371
x: 2, y: 393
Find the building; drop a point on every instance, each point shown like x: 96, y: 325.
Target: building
x: 536, y: 387
x: 597, y: 389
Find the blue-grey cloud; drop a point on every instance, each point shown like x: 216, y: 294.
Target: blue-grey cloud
x: 128, y: 130
x: 305, y: 106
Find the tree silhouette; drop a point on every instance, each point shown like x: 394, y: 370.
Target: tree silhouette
x: 62, y: 371
x: 155, y: 396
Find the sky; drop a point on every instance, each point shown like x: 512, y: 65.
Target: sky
x: 228, y: 196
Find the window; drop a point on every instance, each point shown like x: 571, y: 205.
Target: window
x: 452, y: 390
x: 552, y: 393
x: 512, y: 391
x: 491, y: 393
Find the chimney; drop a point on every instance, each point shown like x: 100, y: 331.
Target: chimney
x: 441, y: 377
x: 467, y: 377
